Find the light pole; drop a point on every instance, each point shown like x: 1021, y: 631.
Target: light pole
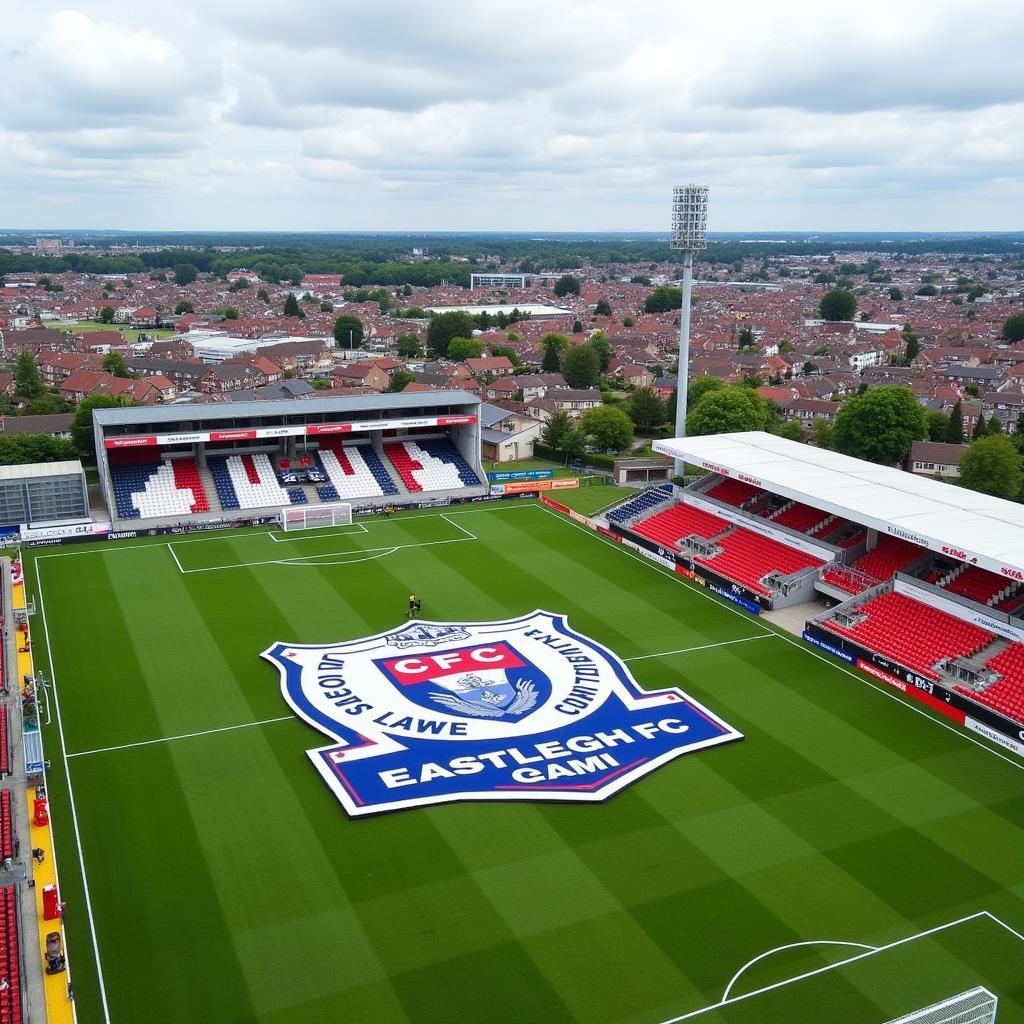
x: 689, y: 221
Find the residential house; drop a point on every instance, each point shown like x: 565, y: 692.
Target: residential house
x: 934, y: 458
x: 359, y: 375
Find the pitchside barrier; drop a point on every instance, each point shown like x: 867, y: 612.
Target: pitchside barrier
x: 977, y: 1006
x: 961, y: 709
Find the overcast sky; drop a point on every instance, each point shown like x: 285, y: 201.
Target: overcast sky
x: 535, y: 115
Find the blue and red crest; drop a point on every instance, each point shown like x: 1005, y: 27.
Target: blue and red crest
x: 521, y: 709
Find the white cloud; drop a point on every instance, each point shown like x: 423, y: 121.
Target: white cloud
x: 578, y: 115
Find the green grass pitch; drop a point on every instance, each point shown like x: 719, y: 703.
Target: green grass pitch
x: 227, y: 884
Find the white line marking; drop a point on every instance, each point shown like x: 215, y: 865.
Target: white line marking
x: 170, y: 547
x: 252, y: 533
x: 74, y: 809
x: 791, y: 945
x: 1003, y: 924
x: 318, y: 531
x: 468, y: 533
x: 311, y: 559
x: 860, y: 677
x: 702, y: 647
x: 183, y: 736
x: 829, y: 967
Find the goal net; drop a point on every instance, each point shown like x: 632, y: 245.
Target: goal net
x: 976, y: 1006
x: 312, y: 517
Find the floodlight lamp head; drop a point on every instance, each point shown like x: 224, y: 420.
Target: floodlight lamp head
x: 689, y: 217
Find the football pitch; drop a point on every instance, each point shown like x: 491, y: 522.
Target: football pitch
x: 851, y: 859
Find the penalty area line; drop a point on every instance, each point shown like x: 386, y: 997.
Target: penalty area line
x: 872, y: 951
x: 182, y: 736
x: 702, y: 647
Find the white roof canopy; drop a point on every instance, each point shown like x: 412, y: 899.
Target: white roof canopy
x: 967, y: 525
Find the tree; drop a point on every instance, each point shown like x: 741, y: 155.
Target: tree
x: 927, y: 290
x: 567, y: 284
x: 291, y: 306
x: 938, y: 424
x: 881, y: 424
x: 553, y: 346
x: 106, y: 315
x: 663, y: 299
x: 348, y: 331
x: 823, y: 434
x: 607, y: 428
x: 28, y: 383
x: 913, y: 344
x: 581, y: 367
x: 22, y: 449
x: 792, y: 430
x: 574, y: 443
x: 113, y: 362
x: 555, y: 429
x: 399, y: 380
x: 81, y: 425
x: 262, y: 295
x: 995, y: 425
x: 980, y: 427
x: 599, y: 343
x: 701, y: 387
x: 727, y: 409
x: 646, y: 410
x: 895, y: 295
x: 461, y: 349
x: 627, y: 322
x: 408, y: 346
x: 746, y: 338
x: 838, y: 304
x: 185, y: 273
x: 445, y: 326
x: 602, y: 308
x: 955, y: 425
x: 184, y: 307
x: 229, y: 312
x: 992, y: 465
x: 1013, y: 328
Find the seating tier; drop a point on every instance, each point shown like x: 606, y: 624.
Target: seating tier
x: 247, y: 481
x: 10, y: 957
x: 747, y: 557
x: 355, y: 471
x: 977, y: 584
x: 801, y: 517
x: 732, y: 492
x: 1007, y: 694
x: 912, y: 633
x: 430, y: 465
x: 678, y: 522
x: 150, y: 490
x: 639, y: 504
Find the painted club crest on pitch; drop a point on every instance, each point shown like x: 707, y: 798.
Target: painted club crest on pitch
x: 519, y: 709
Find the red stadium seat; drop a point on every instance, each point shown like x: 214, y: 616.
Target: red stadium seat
x: 670, y: 526
x: 912, y: 633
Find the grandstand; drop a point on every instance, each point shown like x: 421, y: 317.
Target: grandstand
x: 195, y: 463
x: 924, y: 580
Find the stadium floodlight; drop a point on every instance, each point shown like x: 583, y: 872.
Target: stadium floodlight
x: 689, y: 222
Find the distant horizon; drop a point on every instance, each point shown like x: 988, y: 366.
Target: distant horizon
x: 752, y: 234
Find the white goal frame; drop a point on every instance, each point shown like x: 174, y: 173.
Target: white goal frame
x: 976, y: 1006
x: 314, y: 517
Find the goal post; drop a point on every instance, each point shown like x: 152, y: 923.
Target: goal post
x: 312, y: 517
x: 976, y: 1006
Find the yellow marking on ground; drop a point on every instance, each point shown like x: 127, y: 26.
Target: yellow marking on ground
x: 59, y: 1009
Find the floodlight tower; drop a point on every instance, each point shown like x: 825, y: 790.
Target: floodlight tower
x: 689, y: 222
